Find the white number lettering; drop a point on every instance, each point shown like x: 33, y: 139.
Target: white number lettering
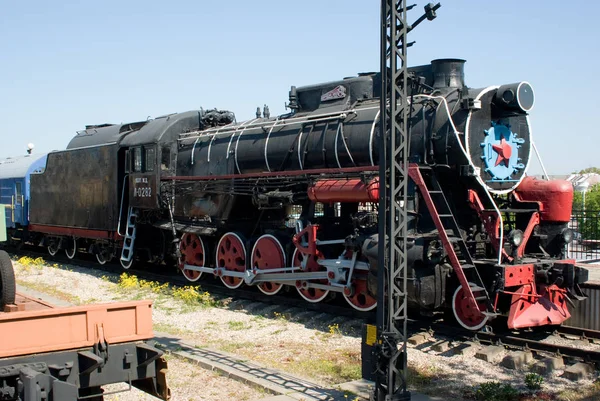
x: 142, y: 192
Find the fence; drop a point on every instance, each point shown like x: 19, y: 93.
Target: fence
x: 584, y: 223
x: 586, y: 244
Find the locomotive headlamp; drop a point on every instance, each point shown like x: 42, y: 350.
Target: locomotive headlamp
x: 516, y: 237
x: 517, y: 97
x: 567, y: 235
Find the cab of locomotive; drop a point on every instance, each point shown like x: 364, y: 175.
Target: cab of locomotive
x: 151, y: 154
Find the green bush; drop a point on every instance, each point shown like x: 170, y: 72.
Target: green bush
x: 533, y: 381
x: 496, y: 391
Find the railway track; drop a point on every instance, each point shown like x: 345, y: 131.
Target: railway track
x: 535, y: 341
x: 574, y: 351
x: 540, y: 346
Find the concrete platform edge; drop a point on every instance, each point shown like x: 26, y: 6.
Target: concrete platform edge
x: 294, y: 388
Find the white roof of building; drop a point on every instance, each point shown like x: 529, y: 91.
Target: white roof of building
x: 589, y: 178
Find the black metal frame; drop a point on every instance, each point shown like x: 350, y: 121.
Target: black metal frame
x: 79, y: 374
x: 586, y: 242
x: 390, y: 351
x: 393, y: 174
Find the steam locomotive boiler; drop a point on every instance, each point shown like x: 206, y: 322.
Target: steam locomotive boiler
x: 292, y: 200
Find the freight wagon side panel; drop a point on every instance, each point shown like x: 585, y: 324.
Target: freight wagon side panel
x: 78, y: 189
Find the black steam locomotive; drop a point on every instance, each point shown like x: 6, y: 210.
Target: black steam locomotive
x: 292, y: 200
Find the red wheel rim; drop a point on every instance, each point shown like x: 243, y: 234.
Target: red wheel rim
x: 193, y: 253
x: 312, y: 295
x: 268, y: 254
x: 231, y: 255
x: 360, y: 298
x: 466, y: 316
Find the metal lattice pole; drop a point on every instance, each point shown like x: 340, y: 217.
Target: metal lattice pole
x: 393, y: 176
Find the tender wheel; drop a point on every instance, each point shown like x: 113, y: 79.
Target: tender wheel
x: 465, y: 315
x: 312, y: 295
x: 268, y: 253
x: 231, y: 255
x: 103, y: 255
x: 53, y: 248
x: 126, y: 265
x: 7, y: 281
x: 359, y: 297
x: 71, y: 248
x: 193, y: 253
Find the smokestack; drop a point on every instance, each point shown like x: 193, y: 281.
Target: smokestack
x: 448, y: 73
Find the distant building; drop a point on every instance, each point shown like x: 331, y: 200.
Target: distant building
x: 581, y: 181
x: 576, y: 179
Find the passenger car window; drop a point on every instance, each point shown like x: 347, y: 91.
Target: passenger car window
x: 150, y: 158
x: 19, y: 200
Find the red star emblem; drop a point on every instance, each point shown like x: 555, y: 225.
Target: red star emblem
x: 504, y: 151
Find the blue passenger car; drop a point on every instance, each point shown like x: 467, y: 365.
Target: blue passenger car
x: 15, y: 175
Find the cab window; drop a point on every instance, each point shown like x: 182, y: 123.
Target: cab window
x: 165, y: 159
x: 137, y: 160
x: 150, y: 159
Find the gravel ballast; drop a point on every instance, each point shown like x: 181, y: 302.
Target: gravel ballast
x: 324, y: 351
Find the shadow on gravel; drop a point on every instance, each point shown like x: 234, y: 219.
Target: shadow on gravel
x: 314, y: 318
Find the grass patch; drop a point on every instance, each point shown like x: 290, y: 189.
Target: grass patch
x: 589, y: 393
x: 109, y: 279
x: 233, y: 347
x: 53, y: 292
x: 169, y: 329
x: 421, y: 378
x: 237, y: 325
x: 496, y: 391
x: 284, y: 317
x: 28, y: 262
x: 332, y: 370
x: 334, y: 331
x: 192, y: 296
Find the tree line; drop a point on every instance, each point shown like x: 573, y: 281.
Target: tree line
x: 592, y: 194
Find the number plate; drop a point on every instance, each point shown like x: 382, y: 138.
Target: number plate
x: 142, y: 191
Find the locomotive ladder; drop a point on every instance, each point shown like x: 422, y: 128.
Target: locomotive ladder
x: 444, y: 221
x: 129, y: 240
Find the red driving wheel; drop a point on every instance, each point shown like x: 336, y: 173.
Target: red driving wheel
x: 193, y: 253
x: 231, y: 255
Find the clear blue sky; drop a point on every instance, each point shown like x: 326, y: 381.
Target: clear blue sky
x: 64, y: 64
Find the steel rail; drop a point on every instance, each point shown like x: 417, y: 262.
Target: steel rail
x: 540, y: 346
x: 584, y: 334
